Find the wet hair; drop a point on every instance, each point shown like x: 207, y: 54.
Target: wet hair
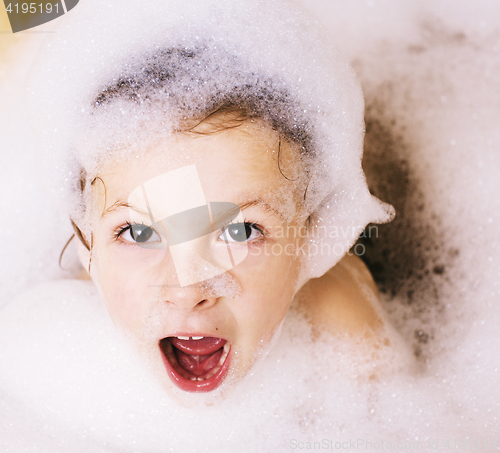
x: 180, y: 77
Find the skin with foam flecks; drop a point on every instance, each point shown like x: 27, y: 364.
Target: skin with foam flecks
x: 140, y: 286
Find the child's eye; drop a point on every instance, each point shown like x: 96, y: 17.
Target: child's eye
x: 139, y: 233
x: 240, y: 232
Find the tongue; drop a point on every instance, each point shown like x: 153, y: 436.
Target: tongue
x: 198, y: 365
x: 205, y: 346
x: 198, y: 357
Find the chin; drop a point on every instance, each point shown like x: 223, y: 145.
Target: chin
x: 199, y: 370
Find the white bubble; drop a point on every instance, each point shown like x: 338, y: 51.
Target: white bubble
x: 70, y: 383
x: 187, y: 58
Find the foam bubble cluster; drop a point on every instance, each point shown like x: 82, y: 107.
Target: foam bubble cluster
x: 114, y: 95
x: 69, y: 382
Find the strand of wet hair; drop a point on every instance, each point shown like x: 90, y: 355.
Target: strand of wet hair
x: 279, y: 167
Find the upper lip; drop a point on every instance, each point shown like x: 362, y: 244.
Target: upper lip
x: 196, y: 334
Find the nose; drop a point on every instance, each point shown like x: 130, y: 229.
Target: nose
x: 197, y: 296
x: 189, y: 298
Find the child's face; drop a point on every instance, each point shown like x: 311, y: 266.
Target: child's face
x: 158, y: 293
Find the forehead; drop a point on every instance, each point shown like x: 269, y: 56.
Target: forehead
x: 234, y: 163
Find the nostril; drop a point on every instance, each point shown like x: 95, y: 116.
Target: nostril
x: 191, y: 304
x: 188, y: 298
x: 206, y: 303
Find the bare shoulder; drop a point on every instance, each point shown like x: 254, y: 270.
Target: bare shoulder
x: 344, y: 299
x: 345, y: 303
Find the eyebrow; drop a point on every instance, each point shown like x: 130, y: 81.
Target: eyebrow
x: 258, y: 202
x: 120, y: 204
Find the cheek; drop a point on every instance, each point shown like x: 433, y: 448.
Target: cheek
x: 125, y: 286
x: 273, y: 266
x: 268, y: 283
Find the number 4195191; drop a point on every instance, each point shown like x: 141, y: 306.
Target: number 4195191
x: 32, y: 8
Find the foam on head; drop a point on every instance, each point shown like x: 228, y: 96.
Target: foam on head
x: 87, y: 393
x: 115, y: 94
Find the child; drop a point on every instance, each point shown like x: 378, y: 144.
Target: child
x: 214, y: 179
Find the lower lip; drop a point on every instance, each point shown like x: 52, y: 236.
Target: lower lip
x: 196, y: 386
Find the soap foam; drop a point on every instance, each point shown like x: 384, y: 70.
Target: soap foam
x: 120, y: 94
x: 431, y: 151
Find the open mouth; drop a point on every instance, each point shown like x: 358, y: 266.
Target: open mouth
x: 196, y: 364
